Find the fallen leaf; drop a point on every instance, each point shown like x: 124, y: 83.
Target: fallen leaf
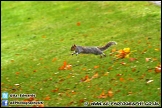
x: 147, y: 59
x: 78, y: 23
x: 113, y: 50
x: 110, y: 93
x: 123, y: 63
x: 34, y: 70
x: 47, y: 98
x: 95, y: 67
x: 95, y: 76
x: 55, y: 90
x: 12, y: 60
x: 41, y: 105
x: 132, y: 59
x: 150, y: 70
x: 43, y: 36
x: 149, y: 81
x: 106, y: 73
x: 129, y: 93
x: 87, y: 80
x: 157, y: 49
x: 65, y: 66
x: 119, y: 75
x: 102, y: 95
x: 121, y: 79
x: 130, y: 79
x: 17, y: 73
x: 54, y: 59
x: 31, y: 99
x: 133, y: 69
x: 158, y: 69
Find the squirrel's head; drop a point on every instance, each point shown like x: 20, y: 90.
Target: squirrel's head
x: 73, y: 47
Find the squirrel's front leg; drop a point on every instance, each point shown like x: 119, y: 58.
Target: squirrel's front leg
x: 73, y: 53
x: 76, y: 53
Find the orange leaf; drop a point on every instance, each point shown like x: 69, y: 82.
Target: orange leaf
x: 130, y: 79
x: 17, y: 73
x: 87, y: 80
x: 41, y: 105
x: 26, y: 100
x: 64, y: 65
x: 96, y: 67
x: 78, y: 23
x: 110, y: 93
x: 95, y: 75
x: 47, y: 98
x: 55, y: 90
x: 121, y: 79
x: 102, y: 95
x: 150, y: 70
x: 54, y: 59
x: 31, y: 99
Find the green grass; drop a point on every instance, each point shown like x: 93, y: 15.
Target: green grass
x: 34, y: 33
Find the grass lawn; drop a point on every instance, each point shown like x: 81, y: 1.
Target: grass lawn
x: 36, y: 41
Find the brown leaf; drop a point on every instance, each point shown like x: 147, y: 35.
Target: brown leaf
x: 47, y: 98
x: 158, y: 69
x: 17, y: 73
x: 31, y: 99
x: 55, y: 90
x: 34, y: 70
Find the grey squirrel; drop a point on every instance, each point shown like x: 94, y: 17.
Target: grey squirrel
x: 91, y: 50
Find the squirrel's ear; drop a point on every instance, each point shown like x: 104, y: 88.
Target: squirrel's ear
x: 74, y: 45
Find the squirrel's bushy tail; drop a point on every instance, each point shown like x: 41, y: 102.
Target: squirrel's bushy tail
x: 107, y: 45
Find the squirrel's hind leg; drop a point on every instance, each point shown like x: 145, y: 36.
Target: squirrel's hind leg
x: 104, y: 55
